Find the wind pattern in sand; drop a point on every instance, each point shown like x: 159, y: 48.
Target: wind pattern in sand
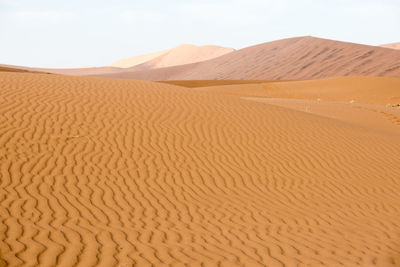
x: 102, y: 172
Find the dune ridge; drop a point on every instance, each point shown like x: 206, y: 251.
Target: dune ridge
x: 391, y: 45
x: 368, y: 90
x: 112, y: 172
x: 180, y: 55
x: 287, y: 59
x: 136, y: 60
x: 68, y: 71
x: 5, y: 68
x: 185, y: 54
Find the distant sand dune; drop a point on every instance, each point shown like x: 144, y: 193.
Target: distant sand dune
x: 136, y: 60
x: 207, y: 83
x: 180, y: 55
x: 392, y: 45
x: 287, y: 59
x: 72, y: 71
x: 112, y: 172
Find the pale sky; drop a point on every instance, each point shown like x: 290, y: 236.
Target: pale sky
x: 76, y: 33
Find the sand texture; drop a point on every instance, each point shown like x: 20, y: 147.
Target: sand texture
x: 108, y: 172
x: 287, y: 59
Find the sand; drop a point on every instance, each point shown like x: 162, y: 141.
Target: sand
x: 71, y: 71
x: 208, y: 83
x: 136, y: 60
x: 392, y: 45
x: 4, y: 68
x: 112, y: 172
x: 369, y: 90
x: 185, y: 54
x: 287, y: 59
x: 180, y: 55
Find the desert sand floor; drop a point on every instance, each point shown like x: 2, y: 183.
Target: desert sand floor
x: 103, y: 172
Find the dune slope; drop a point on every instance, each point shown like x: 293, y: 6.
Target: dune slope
x: 71, y: 71
x: 180, y: 55
x: 136, y: 60
x: 392, y: 45
x: 287, y: 59
x: 368, y: 90
x: 185, y: 54
x: 115, y: 173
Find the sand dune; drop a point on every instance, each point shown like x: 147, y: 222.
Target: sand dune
x: 208, y: 83
x: 185, y: 54
x: 136, y: 60
x: 357, y: 114
x: 112, y: 172
x: 6, y: 68
x: 180, y: 55
x: 392, y: 45
x: 79, y: 71
x: 72, y: 71
x: 288, y: 59
x: 368, y: 90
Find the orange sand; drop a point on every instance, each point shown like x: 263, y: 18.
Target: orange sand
x: 112, y: 172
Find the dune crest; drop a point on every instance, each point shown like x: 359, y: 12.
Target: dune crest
x: 180, y: 55
x: 369, y: 90
x: 287, y: 59
x: 392, y: 45
x: 136, y: 60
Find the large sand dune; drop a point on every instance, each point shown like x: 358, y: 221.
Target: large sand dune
x: 112, y: 172
x: 294, y: 58
x: 287, y: 59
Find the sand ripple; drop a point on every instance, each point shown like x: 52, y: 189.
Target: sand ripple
x: 98, y: 172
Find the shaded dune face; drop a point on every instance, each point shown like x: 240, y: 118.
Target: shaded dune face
x: 115, y: 173
x: 288, y: 59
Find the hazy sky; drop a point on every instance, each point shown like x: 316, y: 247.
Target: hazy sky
x: 75, y: 33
